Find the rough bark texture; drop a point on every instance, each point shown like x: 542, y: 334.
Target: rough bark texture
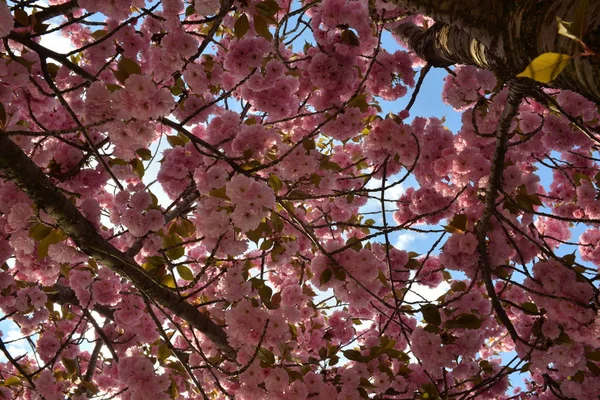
x: 477, y: 33
x: 17, y: 167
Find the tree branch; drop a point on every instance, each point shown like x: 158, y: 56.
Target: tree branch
x: 515, y: 95
x: 15, y: 165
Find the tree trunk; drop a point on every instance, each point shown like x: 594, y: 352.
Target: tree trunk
x: 505, y: 36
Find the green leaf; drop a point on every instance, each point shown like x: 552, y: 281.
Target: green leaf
x: 2, y: 116
x: 327, y: 164
x: 412, y: 264
x: 298, y: 194
x: 524, y: 202
x: 593, y: 367
x: 54, y: 237
x: 339, y: 274
x: 268, y: 7
x: 220, y: 193
x: 432, y: 329
x: 530, y: 308
x: 129, y: 67
x: 578, y: 377
x: 138, y: 167
x: 431, y: 314
x: 546, y: 67
x: 353, y: 355
x: 190, y: 10
x: 275, y: 183
x: 593, y: 355
x: 53, y: 69
x: 276, y: 300
x: 163, y: 352
x: 429, y: 391
x: 39, y: 231
x: 464, y: 321
x: 458, y: 286
x: 325, y: 276
x: 145, y: 154
x: 266, y: 356
x: 350, y: 38
x: 70, y: 365
x: 261, y: 27
x: 12, y: 381
x: 354, y: 243
x: 111, y: 87
x: 185, y: 228
x: 98, y: 34
x: 486, y: 366
x: 360, y: 101
x: 21, y: 17
x: 175, y: 141
x: 256, y: 234
x: 458, y: 224
x: 266, y: 245
x: 185, y: 273
x: 276, y: 222
x: 174, y: 243
x: 265, y: 293
x: 156, y: 261
x: 241, y: 26
x: 177, y: 366
x: 173, y: 389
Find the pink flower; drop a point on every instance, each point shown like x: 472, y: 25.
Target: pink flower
x: 106, y: 288
x: 6, y: 19
x: 246, y: 218
x: 245, y: 54
x: 19, y: 216
x: 130, y: 310
x: 277, y: 380
x: 138, y: 375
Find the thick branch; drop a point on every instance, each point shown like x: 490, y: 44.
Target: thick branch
x: 511, y: 42
x: 47, y: 53
x: 55, y: 11
x: 15, y: 165
x: 515, y: 95
x: 64, y: 295
x: 472, y: 16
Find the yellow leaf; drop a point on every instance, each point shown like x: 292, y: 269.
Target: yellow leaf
x: 546, y: 67
x: 168, y: 281
x: 13, y: 380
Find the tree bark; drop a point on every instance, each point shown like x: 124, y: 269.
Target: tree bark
x: 505, y: 36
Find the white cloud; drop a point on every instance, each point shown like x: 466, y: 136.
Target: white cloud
x: 57, y: 42
x: 404, y: 240
x: 19, y: 345
x: 392, y: 193
x: 374, y: 204
x: 422, y: 293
